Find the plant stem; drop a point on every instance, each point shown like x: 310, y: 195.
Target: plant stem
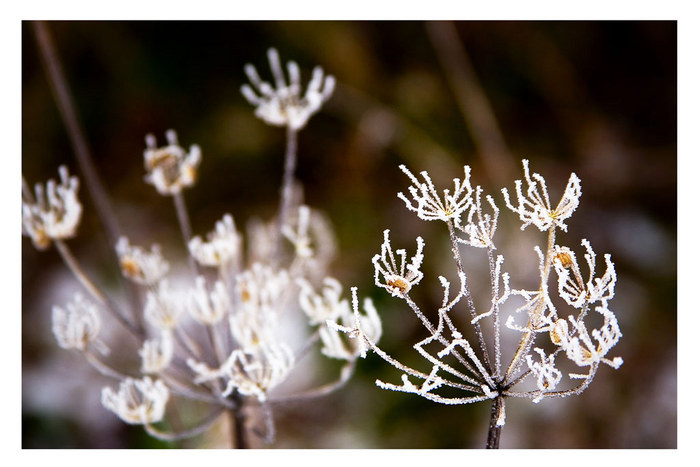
x: 64, y: 102
x: 473, y: 102
x: 239, y: 436
x: 85, y: 281
x: 185, y: 227
x: 468, y: 296
x: 494, y: 436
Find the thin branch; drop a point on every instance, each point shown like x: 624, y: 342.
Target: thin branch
x: 64, y: 102
x: 186, y: 228
x: 345, y: 374
x: 472, y: 100
x: 287, y: 190
x: 85, y: 281
x: 198, y: 429
x: 468, y: 295
x: 494, y: 437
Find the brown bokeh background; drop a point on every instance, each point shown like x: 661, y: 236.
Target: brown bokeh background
x: 595, y: 98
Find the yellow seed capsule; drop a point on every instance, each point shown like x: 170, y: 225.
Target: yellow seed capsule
x: 565, y: 258
x: 245, y: 295
x: 130, y: 267
x: 559, y: 332
x: 399, y: 283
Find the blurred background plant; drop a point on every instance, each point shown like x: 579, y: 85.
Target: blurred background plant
x: 595, y: 98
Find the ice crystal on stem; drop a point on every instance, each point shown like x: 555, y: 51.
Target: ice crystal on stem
x: 463, y: 370
x: 283, y: 103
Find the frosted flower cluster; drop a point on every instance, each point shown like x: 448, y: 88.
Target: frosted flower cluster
x: 170, y: 168
x: 138, y: 401
x: 556, y: 343
x: 139, y: 265
x: 217, y: 333
x: 77, y: 325
x: 283, y: 104
x: 52, y: 213
x: 398, y: 278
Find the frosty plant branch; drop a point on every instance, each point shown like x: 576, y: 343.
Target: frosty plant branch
x: 218, y: 344
x: 283, y: 105
x: 552, y: 339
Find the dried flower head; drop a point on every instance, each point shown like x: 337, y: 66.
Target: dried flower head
x: 534, y: 207
x: 137, y: 402
x: 54, y: 216
x: 480, y: 227
x: 157, y: 353
x: 170, y: 168
x: 398, y: 278
x: 365, y: 331
x: 76, y: 325
x: 582, y: 349
x: 545, y: 372
x: 326, y: 305
x: 459, y: 372
x: 223, y: 245
x: 299, y: 237
x: 429, y: 206
x: 208, y: 307
x: 283, y: 104
x: 145, y: 268
x: 250, y: 372
x: 163, y: 307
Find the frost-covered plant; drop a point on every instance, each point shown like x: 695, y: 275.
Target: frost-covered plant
x: 221, y: 341
x: 468, y: 365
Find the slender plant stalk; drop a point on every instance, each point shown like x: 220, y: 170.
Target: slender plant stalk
x: 496, y: 316
x: 494, y: 436
x: 64, y: 102
x: 468, y: 296
x: 185, y: 227
x: 239, y: 435
x: 472, y: 100
x: 287, y: 191
x: 85, y: 281
x: 529, y: 337
x: 194, y: 431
